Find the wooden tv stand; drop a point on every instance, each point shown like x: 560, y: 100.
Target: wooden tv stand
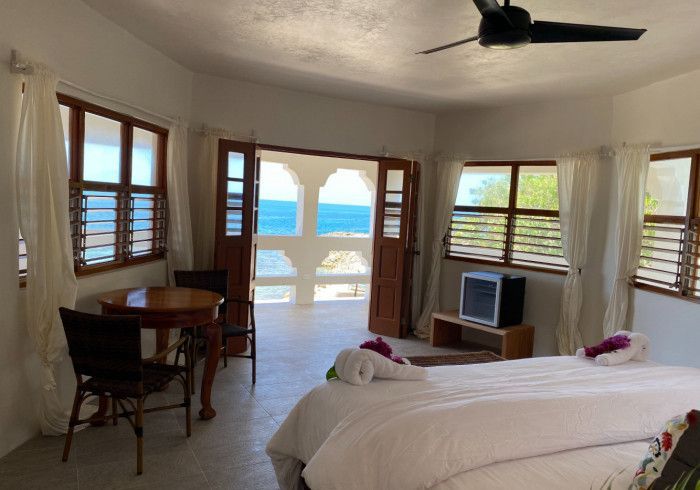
x: 516, y: 341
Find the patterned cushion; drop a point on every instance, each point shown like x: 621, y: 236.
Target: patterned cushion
x: 673, y: 455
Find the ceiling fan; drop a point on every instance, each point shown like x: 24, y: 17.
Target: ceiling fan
x: 509, y: 27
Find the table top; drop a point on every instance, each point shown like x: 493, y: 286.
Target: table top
x: 160, y: 300
x: 452, y: 316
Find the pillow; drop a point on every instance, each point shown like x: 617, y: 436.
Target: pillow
x: 673, y: 455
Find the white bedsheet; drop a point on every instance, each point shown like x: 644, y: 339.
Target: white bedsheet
x: 473, y: 416
x: 577, y: 469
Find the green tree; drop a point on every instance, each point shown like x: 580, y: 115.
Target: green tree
x: 651, y: 205
x: 535, y: 235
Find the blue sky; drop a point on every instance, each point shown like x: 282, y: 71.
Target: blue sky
x: 107, y: 170
x: 343, y: 187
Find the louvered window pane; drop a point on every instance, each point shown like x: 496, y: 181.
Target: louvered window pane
x: 478, y: 235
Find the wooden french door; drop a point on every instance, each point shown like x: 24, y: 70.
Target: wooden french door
x: 237, y: 226
x: 394, y: 247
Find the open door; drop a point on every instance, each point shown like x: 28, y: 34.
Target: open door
x: 237, y: 226
x: 394, y: 247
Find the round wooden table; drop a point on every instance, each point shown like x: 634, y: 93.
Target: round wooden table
x: 163, y: 308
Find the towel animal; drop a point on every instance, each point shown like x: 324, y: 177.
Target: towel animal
x: 612, y: 351
x: 359, y: 366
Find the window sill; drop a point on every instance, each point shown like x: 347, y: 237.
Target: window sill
x: 558, y: 272
x: 665, y: 292
x: 97, y: 269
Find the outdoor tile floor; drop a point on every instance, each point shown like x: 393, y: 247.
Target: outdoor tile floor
x: 296, y: 346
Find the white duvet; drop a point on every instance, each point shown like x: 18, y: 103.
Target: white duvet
x: 404, y: 435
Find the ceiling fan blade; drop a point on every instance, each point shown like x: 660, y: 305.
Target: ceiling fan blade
x: 560, y: 32
x: 491, y: 10
x: 451, y: 45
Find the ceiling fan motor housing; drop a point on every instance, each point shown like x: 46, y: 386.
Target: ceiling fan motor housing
x: 495, y: 33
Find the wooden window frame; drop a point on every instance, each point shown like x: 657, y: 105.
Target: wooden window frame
x: 510, y: 212
x: 691, y: 218
x: 124, y: 189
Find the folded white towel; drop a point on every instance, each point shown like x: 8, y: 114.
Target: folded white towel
x: 359, y: 366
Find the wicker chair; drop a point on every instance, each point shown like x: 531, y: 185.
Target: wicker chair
x: 106, y: 349
x: 217, y: 281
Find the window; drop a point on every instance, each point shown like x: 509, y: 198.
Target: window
x: 670, y: 254
x: 117, y: 186
x: 507, y: 213
x: 234, y: 194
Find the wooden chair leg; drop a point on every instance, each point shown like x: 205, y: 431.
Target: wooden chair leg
x: 114, y: 411
x: 188, y: 409
x: 225, y: 349
x: 138, y: 429
x: 77, y: 401
x: 186, y: 386
x: 252, y: 353
x: 193, y: 363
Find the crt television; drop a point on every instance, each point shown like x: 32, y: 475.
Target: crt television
x: 492, y: 299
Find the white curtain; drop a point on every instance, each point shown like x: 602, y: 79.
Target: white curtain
x: 42, y: 202
x: 204, y: 225
x: 421, y: 261
x: 180, y: 249
x: 632, y: 164
x: 445, y: 192
x: 577, y: 191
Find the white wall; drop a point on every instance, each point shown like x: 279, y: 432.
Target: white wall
x: 534, y: 132
x: 84, y: 48
x: 297, y: 119
x: 666, y: 114
x: 525, y: 131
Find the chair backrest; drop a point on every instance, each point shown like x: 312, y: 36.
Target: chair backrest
x: 104, y: 346
x: 215, y: 281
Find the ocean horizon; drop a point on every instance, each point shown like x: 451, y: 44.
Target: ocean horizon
x: 279, y: 218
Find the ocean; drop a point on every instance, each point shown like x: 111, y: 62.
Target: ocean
x: 279, y: 218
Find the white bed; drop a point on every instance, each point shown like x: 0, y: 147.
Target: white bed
x: 557, y: 422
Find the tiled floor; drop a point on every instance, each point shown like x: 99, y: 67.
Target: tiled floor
x: 296, y: 346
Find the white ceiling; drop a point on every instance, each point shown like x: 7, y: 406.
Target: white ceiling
x: 363, y: 49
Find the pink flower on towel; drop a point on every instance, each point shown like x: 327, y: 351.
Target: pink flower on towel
x: 666, y: 441
x: 616, y: 342
x: 380, y: 347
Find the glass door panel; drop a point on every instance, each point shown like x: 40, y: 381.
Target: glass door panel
x: 234, y: 194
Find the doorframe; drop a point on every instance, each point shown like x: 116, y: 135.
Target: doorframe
x: 350, y: 156
x: 321, y: 153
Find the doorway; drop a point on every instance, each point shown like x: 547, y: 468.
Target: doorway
x: 315, y: 228
x: 304, y: 227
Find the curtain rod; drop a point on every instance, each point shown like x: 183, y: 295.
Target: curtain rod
x: 143, y: 110
x: 653, y: 147
x: 23, y: 67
